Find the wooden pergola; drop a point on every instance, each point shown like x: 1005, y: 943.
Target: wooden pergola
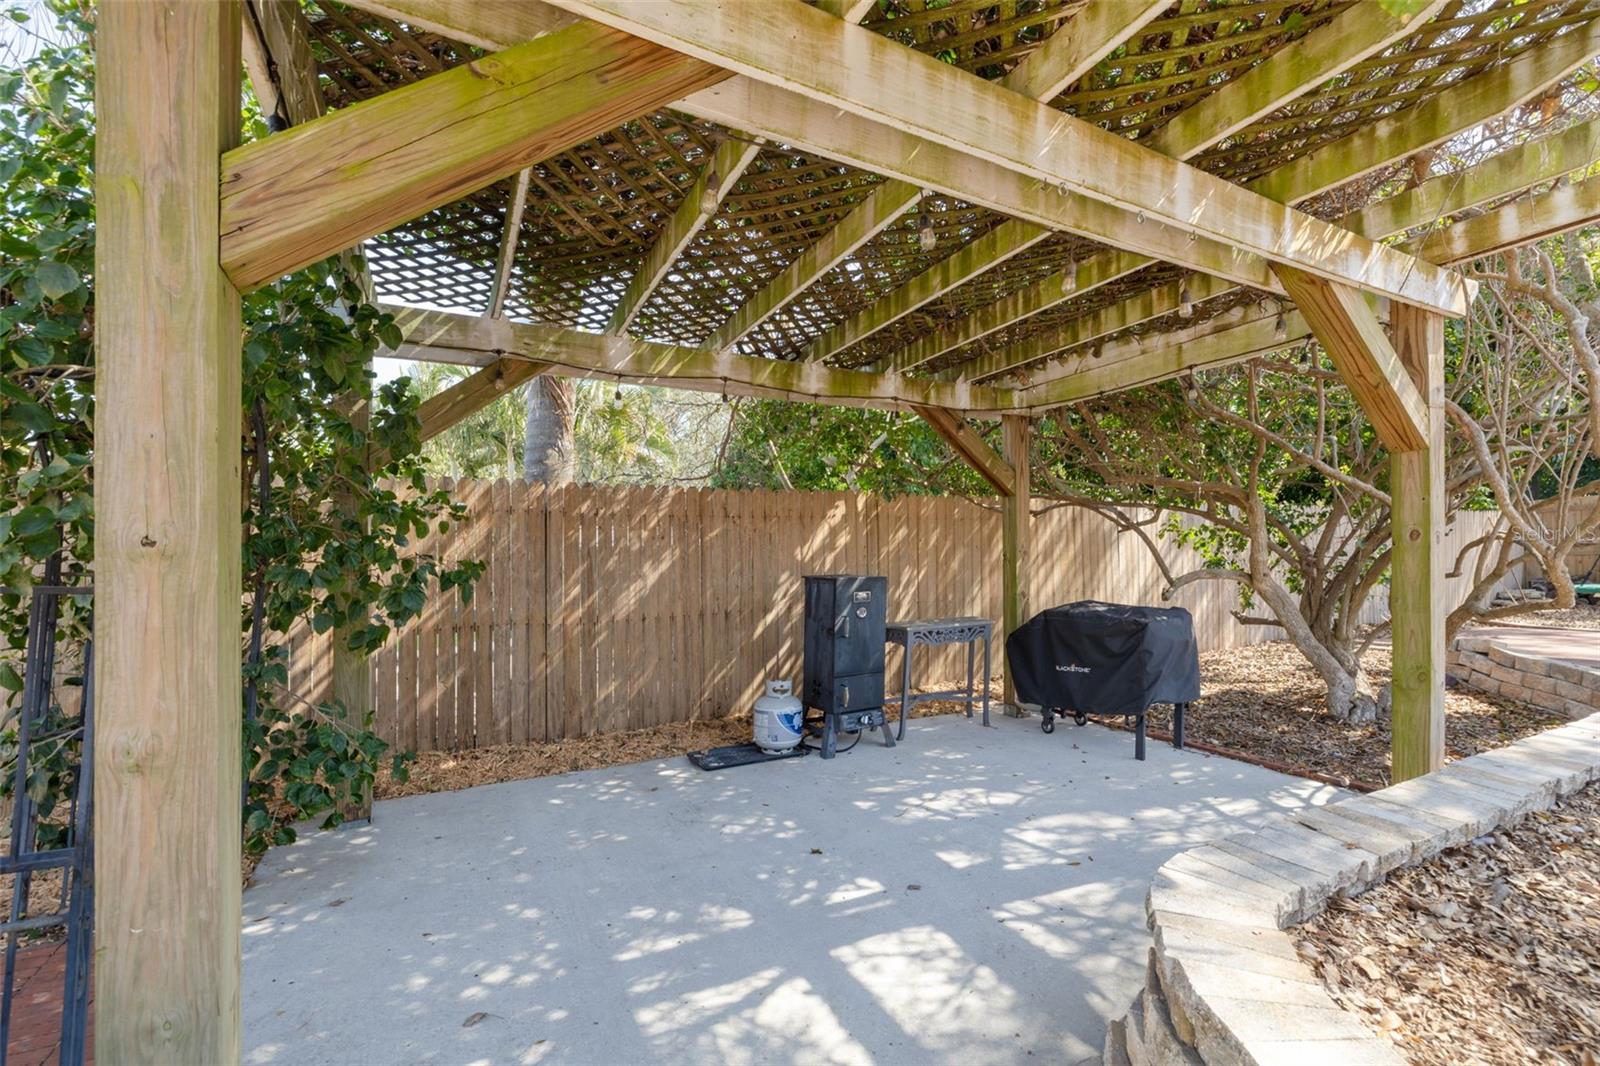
x: 991, y: 208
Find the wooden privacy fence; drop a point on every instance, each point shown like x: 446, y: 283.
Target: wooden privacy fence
x: 605, y: 609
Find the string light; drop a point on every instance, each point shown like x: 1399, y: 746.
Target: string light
x: 1280, y: 328
x: 1069, y: 280
x: 927, y: 238
x: 1185, y: 303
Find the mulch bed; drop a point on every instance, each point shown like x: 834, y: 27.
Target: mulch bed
x: 1488, y: 954
x: 438, y: 771
x: 1581, y: 616
x: 1265, y: 701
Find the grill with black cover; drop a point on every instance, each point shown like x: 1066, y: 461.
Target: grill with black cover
x: 1107, y: 658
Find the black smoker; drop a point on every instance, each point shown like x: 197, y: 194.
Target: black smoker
x: 1106, y: 658
x: 844, y: 655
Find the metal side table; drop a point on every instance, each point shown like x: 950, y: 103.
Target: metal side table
x: 913, y: 633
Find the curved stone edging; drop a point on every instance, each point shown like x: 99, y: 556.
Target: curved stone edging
x: 1225, y: 984
x: 1562, y: 686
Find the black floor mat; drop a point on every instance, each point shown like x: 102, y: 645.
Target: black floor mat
x: 740, y: 755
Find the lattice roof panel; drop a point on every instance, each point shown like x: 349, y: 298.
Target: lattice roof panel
x: 594, y: 212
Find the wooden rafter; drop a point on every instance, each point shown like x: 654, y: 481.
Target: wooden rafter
x: 1436, y: 119
x: 1074, y: 49
x: 850, y: 68
x: 1362, y: 30
x: 1502, y: 175
x: 1252, y: 330
x: 277, y: 51
x: 1565, y: 208
x: 438, y: 336
x: 880, y: 210
x: 299, y: 196
x: 960, y: 435
x: 700, y: 205
x: 507, y: 259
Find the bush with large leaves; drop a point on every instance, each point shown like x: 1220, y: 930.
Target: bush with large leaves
x: 307, y: 441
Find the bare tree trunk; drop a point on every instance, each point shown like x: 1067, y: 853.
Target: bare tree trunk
x: 547, y: 449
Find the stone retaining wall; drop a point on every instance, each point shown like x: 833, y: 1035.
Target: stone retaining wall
x: 1565, y: 688
x: 1225, y: 984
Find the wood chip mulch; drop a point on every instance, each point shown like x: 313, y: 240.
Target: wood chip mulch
x: 439, y: 771
x: 1490, y: 953
x: 1265, y: 701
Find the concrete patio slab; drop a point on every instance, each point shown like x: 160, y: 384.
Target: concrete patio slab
x: 971, y: 896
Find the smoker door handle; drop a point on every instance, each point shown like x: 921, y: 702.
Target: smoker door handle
x: 847, y: 697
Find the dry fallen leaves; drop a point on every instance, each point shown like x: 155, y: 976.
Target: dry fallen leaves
x: 1488, y: 954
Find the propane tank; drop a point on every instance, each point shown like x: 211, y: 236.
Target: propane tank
x: 779, y: 717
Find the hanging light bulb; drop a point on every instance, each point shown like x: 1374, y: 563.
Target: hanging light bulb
x: 1069, y: 280
x: 1185, y: 303
x: 1305, y: 353
x: 927, y: 239
x: 711, y: 194
x: 616, y: 397
x: 1280, y: 328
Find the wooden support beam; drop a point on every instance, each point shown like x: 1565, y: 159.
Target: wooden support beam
x: 854, y: 70
x: 1442, y: 115
x: 1134, y: 361
x: 299, y: 196
x: 472, y: 394
x: 1097, y: 30
x: 1502, y: 174
x: 1355, y: 340
x: 1417, y: 604
x: 1016, y: 543
x: 1524, y: 221
x: 1114, y: 318
x: 881, y: 209
x: 1499, y: 176
x: 277, y: 50
x: 1337, y: 163
x: 993, y: 248
x: 167, y: 539
x: 1358, y: 32
x: 960, y: 435
x: 849, y: 10
x: 438, y: 336
x: 507, y: 259
x: 700, y: 205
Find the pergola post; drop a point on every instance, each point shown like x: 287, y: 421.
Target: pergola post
x: 1416, y: 594
x: 167, y: 488
x: 1016, y: 541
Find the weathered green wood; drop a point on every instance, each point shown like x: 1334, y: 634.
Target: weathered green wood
x: 1417, y: 605
x: 1104, y: 322
x: 439, y: 336
x: 298, y: 196
x: 731, y: 160
x: 993, y: 248
x: 1016, y: 534
x: 1089, y: 274
x: 1360, y: 31
x: 1519, y: 222
x: 1072, y: 51
x: 167, y: 539
x: 1501, y: 175
x: 1125, y: 364
x: 859, y: 72
x: 880, y: 210
x: 1441, y: 116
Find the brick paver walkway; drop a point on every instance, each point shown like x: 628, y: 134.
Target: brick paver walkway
x: 36, y: 1008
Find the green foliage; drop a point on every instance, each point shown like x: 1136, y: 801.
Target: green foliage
x: 326, y: 536
x: 814, y: 447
